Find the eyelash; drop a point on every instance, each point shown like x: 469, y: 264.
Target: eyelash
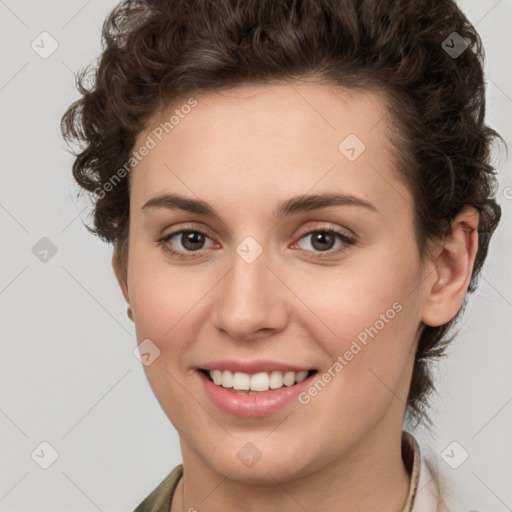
x: 347, y: 241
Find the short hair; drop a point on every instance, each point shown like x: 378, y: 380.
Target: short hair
x: 156, y: 52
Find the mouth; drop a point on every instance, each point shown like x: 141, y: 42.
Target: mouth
x: 256, y: 383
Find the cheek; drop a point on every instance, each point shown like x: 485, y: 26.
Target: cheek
x: 372, y: 312
x: 160, y: 295
x: 156, y: 309
x: 357, y: 296
x: 163, y: 306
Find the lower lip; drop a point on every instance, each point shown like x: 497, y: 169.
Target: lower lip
x: 261, y: 404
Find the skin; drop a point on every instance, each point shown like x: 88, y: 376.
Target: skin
x: 245, y: 151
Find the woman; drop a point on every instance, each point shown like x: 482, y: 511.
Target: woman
x: 225, y: 143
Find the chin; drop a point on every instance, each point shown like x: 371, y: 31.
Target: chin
x: 248, y: 464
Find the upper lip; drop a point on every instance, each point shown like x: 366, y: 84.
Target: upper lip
x: 251, y: 367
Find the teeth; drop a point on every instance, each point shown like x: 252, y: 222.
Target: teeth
x: 262, y: 381
x: 259, y: 382
x: 216, y: 375
x: 240, y: 381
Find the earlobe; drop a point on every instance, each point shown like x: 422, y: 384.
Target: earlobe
x: 453, y: 267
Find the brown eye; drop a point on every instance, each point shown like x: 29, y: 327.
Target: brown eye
x: 324, y: 240
x: 190, y: 241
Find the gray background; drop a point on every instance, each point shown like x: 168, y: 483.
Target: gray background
x: 68, y: 373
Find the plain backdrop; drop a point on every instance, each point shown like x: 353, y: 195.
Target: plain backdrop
x: 68, y: 374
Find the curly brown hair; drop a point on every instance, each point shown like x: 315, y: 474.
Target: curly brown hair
x: 156, y: 52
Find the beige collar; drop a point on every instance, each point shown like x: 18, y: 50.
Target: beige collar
x: 412, y: 459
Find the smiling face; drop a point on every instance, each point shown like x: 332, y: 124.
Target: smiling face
x: 249, y: 285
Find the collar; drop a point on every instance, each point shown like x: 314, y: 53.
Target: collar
x: 411, y: 456
x: 432, y: 489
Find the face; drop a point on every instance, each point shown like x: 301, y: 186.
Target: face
x: 336, y: 288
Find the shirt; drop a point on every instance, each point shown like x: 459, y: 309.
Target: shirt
x: 424, y: 489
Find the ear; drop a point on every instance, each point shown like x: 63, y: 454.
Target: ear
x: 121, y: 279
x: 451, y: 269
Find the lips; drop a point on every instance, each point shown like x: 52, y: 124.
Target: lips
x: 250, y: 403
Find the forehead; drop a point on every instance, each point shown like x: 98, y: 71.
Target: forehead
x: 269, y: 141
x: 304, y: 109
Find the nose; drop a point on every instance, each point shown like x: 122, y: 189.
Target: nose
x: 251, y: 300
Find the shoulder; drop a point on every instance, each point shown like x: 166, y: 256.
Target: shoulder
x: 159, y: 500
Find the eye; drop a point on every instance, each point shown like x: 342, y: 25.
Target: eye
x: 324, y: 239
x: 191, y: 241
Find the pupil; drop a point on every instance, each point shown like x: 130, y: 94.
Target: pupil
x: 193, y: 240
x: 321, y: 236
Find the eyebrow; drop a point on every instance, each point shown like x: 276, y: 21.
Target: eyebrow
x: 292, y: 206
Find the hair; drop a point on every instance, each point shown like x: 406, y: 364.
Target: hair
x: 156, y: 52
